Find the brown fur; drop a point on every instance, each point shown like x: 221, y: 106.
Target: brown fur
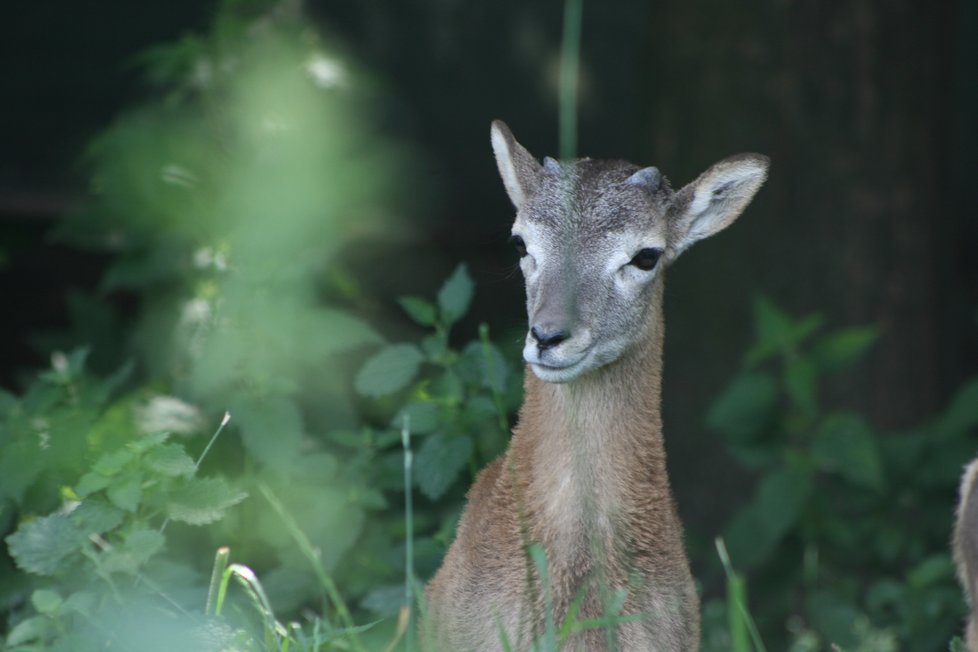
x: 965, y: 546
x: 585, y: 477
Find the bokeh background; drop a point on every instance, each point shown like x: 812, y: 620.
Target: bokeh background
x: 867, y: 109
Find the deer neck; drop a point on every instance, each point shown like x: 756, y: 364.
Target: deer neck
x: 595, y: 452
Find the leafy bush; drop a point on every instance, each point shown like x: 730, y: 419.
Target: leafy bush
x: 842, y: 539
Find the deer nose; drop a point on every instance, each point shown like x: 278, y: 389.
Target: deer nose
x: 548, y: 337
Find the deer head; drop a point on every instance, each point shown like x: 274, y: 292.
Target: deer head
x: 594, y: 238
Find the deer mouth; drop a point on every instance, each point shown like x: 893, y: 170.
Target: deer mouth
x: 551, y: 370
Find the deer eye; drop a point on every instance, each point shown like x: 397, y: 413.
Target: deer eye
x: 646, y: 259
x: 518, y: 244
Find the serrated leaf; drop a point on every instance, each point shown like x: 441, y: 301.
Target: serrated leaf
x: 418, y: 309
x: 743, y: 410
x: 842, y: 348
x: 45, y: 601
x: 203, y: 500
x: 27, y: 630
x: 95, y: 516
x: 389, y: 370
x: 844, y: 444
x: 422, y: 417
x: 455, y: 295
x: 170, y: 460
x: 148, y: 442
x: 439, y: 461
x: 138, y: 547
x: 41, y: 545
x: 91, y: 482
x: 111, y: 463
x: 271, y: 429
x: 125, y: 492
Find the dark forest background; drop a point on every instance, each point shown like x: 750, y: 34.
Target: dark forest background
x: 868, y: 110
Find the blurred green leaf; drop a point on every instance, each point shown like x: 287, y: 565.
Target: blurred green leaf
x: 844, y: 444
x: 423, y: 417
x: 961, y: 414
x: 271, y: 429
x: 776, y: 332
x: 45, y: 601
x: 137, y: 549
x: 777, y: 503
x: 125, y: 492
x: 169, y: 460
x: 95, y: 516
x: 418, y: 309
x: 439, y: 461
x: 28, y: 630
x: 455, y: 295
x: 930, y: 571
x: 41, y: 545
x: 389, y: 370
x: 839, y: 350
x: 801, y: 383
x: 203, y: 500
x: 744, y: 408
x: 111, y: 463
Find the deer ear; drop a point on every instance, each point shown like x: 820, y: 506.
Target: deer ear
x: 519, y: 170
x: 713, y: 201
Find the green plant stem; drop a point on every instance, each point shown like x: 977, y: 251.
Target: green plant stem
x: 309, y: 552
x: 569, y: 74
x: 739, y: 617
x: 220, y: 565
x: 200, y: 458
x: 409, y: 523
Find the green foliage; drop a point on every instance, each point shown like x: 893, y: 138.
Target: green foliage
x: 827, y: 537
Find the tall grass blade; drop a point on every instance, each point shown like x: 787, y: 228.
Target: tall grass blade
x: 739, y: 620
x: 570, y: 55
x: 220, y: 565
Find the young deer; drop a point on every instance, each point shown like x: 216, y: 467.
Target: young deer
x: 585, y: 473
x: 965, y: 544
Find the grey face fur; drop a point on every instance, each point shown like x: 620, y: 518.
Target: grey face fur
x: 590, y: 230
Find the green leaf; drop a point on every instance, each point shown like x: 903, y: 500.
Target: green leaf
x: 111, y: 463
x: 418, y: 309
x: 801, y: 383
x: 46, y: 602
x: 775, y: 508
x: 125, y: 492
x: 28, y: 630
x: 271, y: 429
x: 931, y: 571
x: 203, y: 500
x: 423, y: 417
x: 91, y: 482
x: 839, y: 350
x: 138, y: 547
x: 745, y: 408
x: 844, y: 444
x: 439, y: 461
x: 776, y: 332
x: 95, y: 516
x: 41, y: 545
x: 389, y: 370
x: 148, y: 442
x: 170, y: 460
x: 455, y: 295
x: 961, y: 414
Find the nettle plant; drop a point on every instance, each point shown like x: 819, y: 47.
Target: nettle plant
x: 456, y: 404
x: 841, y: 541
x: 95, y: 553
